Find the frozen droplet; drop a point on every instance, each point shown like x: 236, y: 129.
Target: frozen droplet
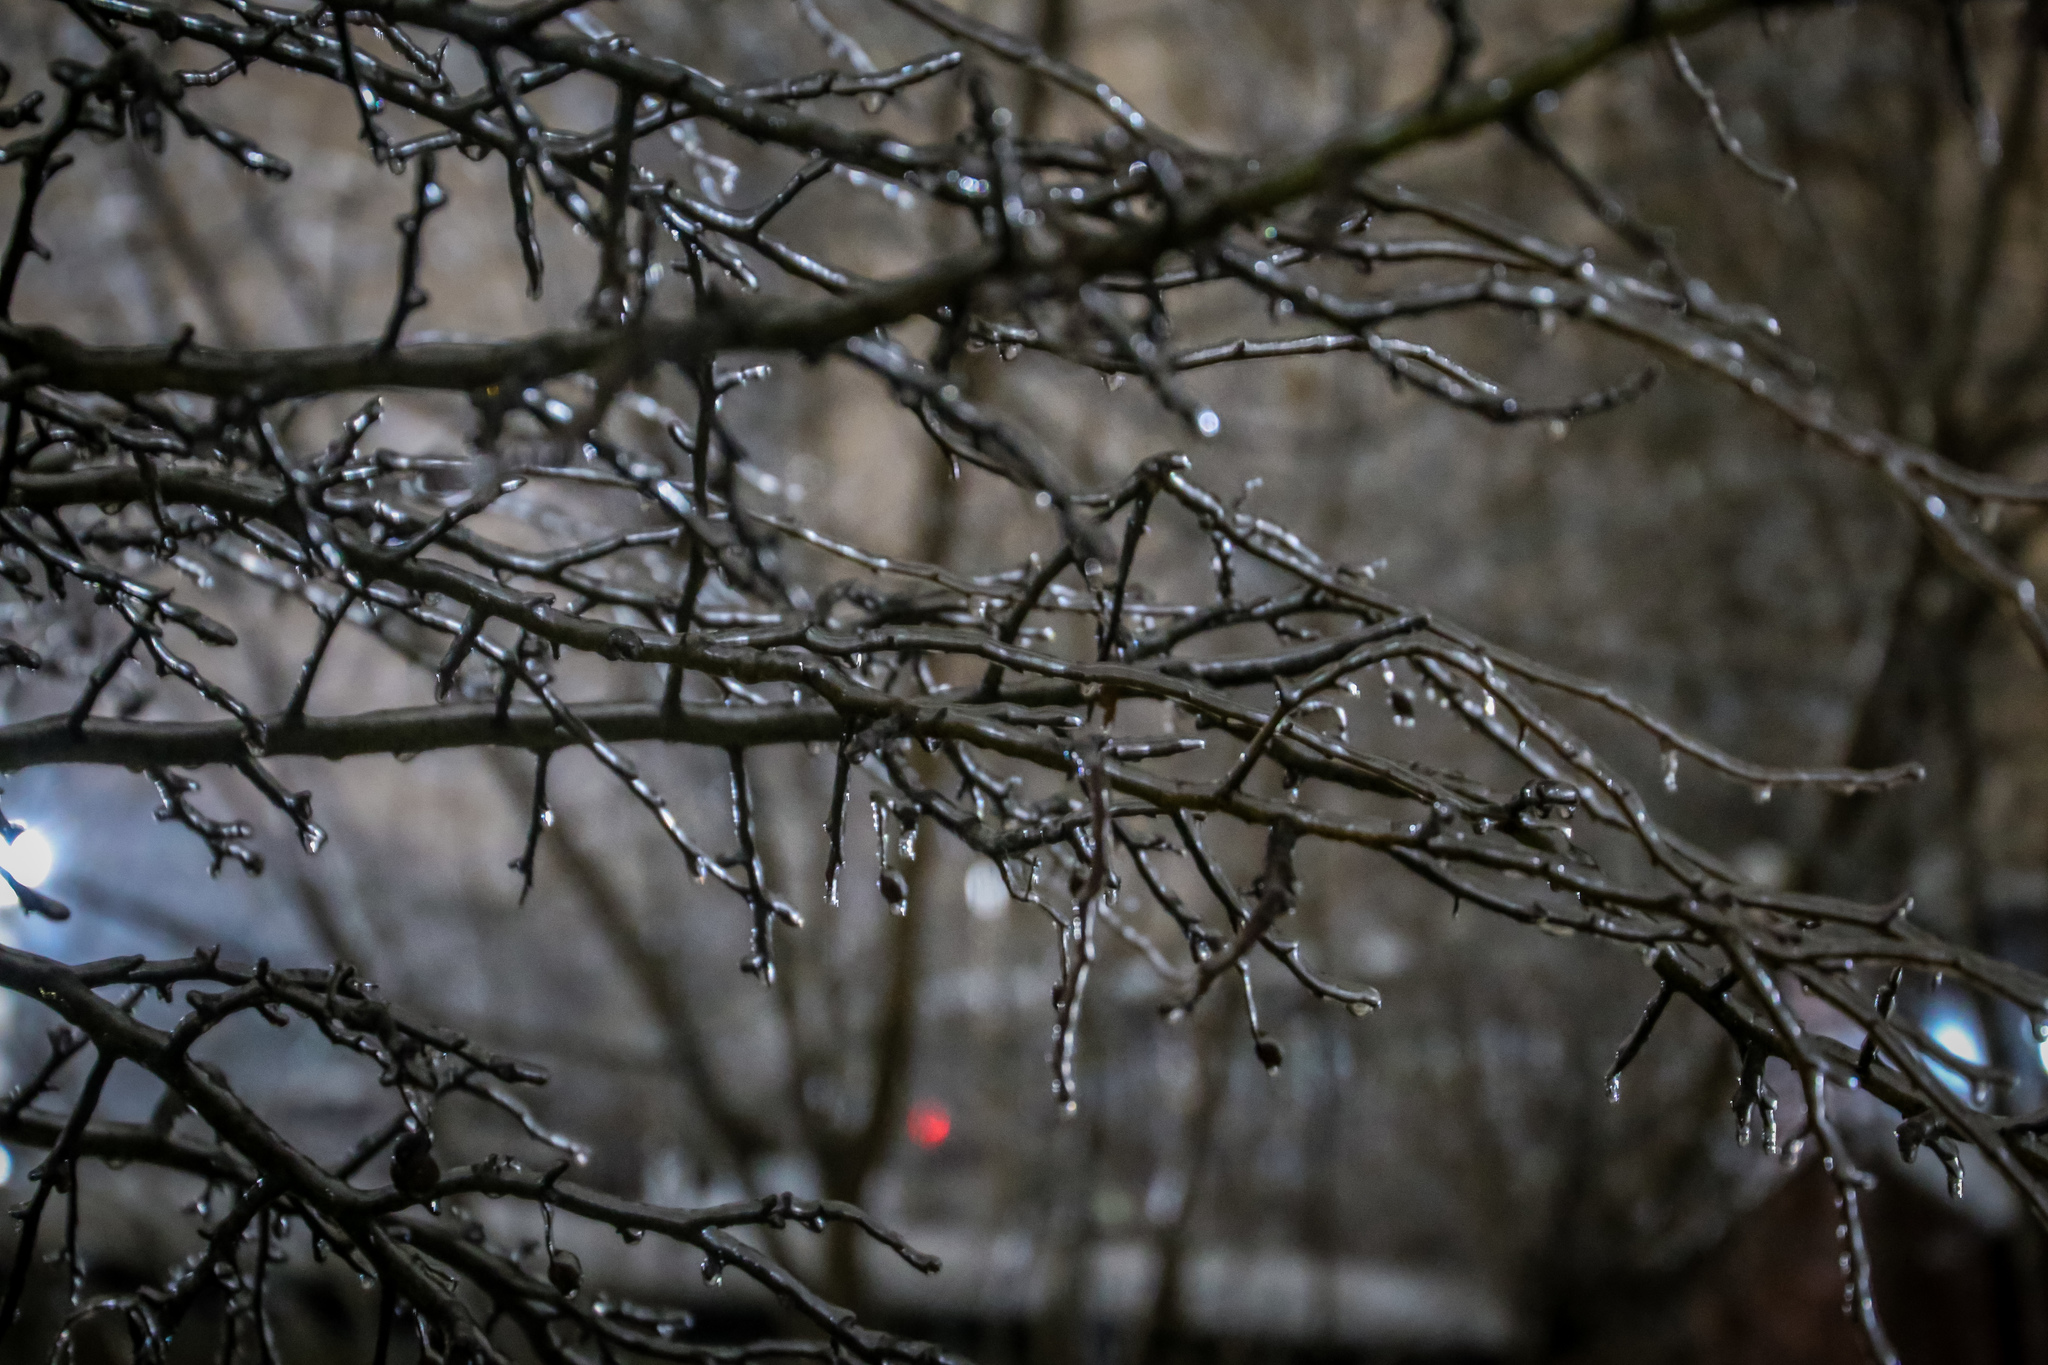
x: 312, y: 837
x: 1113, y: 381
x: 1614, y: 1090
x: 1670, y: 761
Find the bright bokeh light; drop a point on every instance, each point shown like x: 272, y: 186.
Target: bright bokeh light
x: 1962, y: 1041
x: 28, y: 860
x: 988, y: 896
x: 928, y: 1123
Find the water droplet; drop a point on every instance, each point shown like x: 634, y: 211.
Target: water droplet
x: 1614, y: 1089
x: 1762, y: 794
x: 1670, y: 762
x: 312, y: 837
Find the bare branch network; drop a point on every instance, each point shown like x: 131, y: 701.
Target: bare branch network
x: 1092, y: 727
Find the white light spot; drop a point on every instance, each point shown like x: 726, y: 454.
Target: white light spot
x: 1207, y: 422
x: 28, y: 860
x: 987, y: 896
x: 1765, y: 864
x: 1957, y: 1037
x: 1955, y: 1033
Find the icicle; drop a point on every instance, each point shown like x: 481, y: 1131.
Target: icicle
x: 835, y: 825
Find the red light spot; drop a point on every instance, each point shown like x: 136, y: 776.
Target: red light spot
x: 928, y: 1123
